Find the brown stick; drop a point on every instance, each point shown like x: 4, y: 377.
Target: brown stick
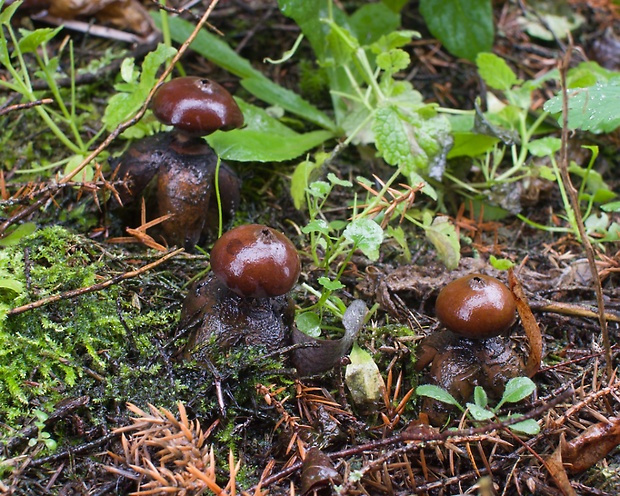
x: 574, y: 200
x: 570, y: 309
x: 95, y: 287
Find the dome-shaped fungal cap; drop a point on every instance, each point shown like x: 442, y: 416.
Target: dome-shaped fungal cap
x: 476, y: 306
x: 255, y: 261
x: 196, y: 106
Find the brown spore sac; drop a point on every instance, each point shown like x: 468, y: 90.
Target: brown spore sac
x: 196, y: 106
x: 476, y: 306
x: 255, y: 261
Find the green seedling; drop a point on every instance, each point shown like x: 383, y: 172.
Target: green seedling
x: 57, y: 107
x: 516, y: 390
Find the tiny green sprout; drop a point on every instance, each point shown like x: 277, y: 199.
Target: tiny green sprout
x: 517, y: 389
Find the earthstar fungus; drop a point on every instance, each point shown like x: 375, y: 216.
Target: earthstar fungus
x: 470, y: 351
x: 177, y: 169
x: 244, y: 299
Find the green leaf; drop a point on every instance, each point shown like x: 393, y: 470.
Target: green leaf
x: 395, y: 5
x: 495, y: 71
x: 246, y: 145
x: 394, y: 39
x: 319, y: 225
x: 468, y: 144
x: 517, y: 389
x: 338, y: 182
x: 264, y: 139
x: 327, y: 283
x: 11, y: 284
x: 125, y: 104
x: 611, y: 207
x: 501, y: 263
x: 479, y: 413
x: 299, y: 182
x: 18, y: 233
x: 442, y: 234
x: 393, y: 61
x: 373, y: 20
x: 309, y: 323
x: 595, y: 108
x: 31, y: 40
x: 480, y: 397
x: 439, y: 394
x: 465, y: 27
x: 7, y: 13
x: 544, y: 147
x: 528, y: 427
x: 274, y: 94
x: 366, y: 235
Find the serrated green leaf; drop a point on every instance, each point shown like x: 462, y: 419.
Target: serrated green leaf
x: 395, y: 39
x: 318, y: 225
x: 335, y: 180
x: 319, y: 189
x: 442, y: 234
x: 366, y: 235
x: 465, y: 27
x: 394, y: 137
x: 439, y: 394
x: 595, y: 108
x: 495, y: 71
x: 393, y: 61
x: 327, y: 283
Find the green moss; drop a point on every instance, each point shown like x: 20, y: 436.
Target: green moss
x: 43, y: 352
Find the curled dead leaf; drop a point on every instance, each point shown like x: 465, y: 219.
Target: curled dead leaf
x: 317, y: 472
x: 532, y: 330
x: 594, y: 444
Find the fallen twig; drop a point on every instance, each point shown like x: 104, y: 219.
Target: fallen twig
x: 95, y: 287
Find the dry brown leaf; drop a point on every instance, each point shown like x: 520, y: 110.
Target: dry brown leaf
x: 122, y: 14
x: 558, y: 473
x: 532, y: 330
x: 592, y: 445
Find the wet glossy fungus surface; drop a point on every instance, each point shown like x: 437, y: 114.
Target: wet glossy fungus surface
x: 476, y: 306
x: 256, y: 261
x: 196, y: 106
